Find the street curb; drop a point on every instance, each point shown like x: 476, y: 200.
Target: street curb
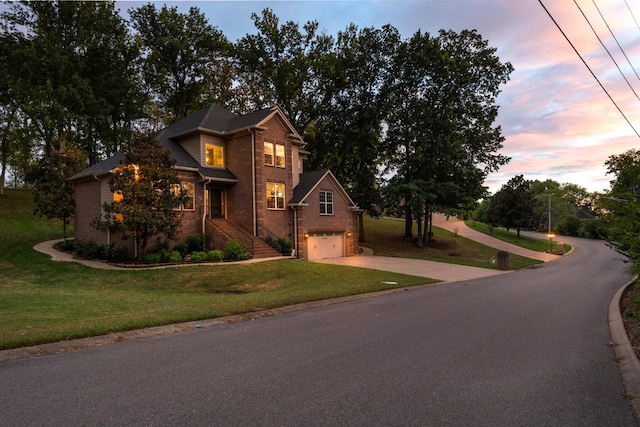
x: 628, y: 363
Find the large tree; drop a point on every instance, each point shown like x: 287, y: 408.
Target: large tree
x: 181, y: 54
x: 515, y: 206
x: 76, y: 81
x: 441, y: 138
x: 52, y: 192
x: 148, y: 194
x: 276, y: 67
x: 347, y: 134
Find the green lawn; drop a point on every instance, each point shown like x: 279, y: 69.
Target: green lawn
x: 386, y: 237
x: 45, y: 301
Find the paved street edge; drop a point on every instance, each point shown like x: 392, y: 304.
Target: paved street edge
x: 628, y: 363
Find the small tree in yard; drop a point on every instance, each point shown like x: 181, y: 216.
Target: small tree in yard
x: 147, y: 194
x: 52, y: 193
x: 514, y: 206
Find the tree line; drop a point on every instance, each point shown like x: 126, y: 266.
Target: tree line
x: 406, y: 125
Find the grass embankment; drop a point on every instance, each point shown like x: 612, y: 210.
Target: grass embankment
x: 44, y: 301
x: 527, y: 242
x: 386, y: 238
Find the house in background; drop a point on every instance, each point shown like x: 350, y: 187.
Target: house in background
x: 246, y: 181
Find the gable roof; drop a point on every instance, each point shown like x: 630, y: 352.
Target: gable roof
x: 310, y: 180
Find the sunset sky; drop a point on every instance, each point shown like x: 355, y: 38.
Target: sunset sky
x: 558, y: 122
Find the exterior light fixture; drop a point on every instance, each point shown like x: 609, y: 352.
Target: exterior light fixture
x: 306, y: 235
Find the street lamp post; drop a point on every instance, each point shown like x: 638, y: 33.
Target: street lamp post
x: 551, y: 236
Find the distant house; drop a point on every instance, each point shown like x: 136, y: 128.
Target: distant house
x: 245, y: 176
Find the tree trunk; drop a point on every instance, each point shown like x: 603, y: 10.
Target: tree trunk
x: 408, y: 222
x: 419, y: 240
x: 361, y: 227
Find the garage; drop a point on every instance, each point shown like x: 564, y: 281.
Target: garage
x: 325, y: 245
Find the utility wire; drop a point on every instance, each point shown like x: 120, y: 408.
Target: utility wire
x: 605, y: 48
x: 632, y: 15
x: 615, y: 38
x: 588, y: 68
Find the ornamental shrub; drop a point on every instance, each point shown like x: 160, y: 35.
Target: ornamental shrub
x: 175, y: 256
x: 153, y: 258
x: 116, y: 252
x: 195, y: 243
x: 198, y: 256
x: 235, y: 251
x: 215, y: 256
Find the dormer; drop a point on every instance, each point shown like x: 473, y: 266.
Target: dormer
x: 208, y: 150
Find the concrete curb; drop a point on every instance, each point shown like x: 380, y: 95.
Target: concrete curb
x: 628, y: 363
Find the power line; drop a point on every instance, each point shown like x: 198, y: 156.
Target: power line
x: 605, y: 48
x: 588, y: 68
x: 615, y: 38
x: 632, y: 15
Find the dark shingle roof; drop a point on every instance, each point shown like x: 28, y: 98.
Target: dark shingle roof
x: 308, y: 181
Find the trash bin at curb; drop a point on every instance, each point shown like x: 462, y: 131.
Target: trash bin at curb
x: 561, y: 248
x: 503, y: 260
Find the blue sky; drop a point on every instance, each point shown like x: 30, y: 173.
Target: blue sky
x: 558, y: 122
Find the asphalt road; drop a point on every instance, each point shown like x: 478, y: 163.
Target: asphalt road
x: 525, y: 348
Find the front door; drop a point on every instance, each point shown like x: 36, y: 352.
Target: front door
x: 216, y: 200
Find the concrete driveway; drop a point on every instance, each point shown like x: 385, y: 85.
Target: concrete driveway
x: 415, y: 267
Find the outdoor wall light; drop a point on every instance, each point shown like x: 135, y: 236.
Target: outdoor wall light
x: 306, y: 235
x: 349, y: 234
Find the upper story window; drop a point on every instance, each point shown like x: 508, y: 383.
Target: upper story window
x: 326, y: 203
x: 274, y: 154
x: 275, y: 195
x: 215, y: 156
x: 279, y: 155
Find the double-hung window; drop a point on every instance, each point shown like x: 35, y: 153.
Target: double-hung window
x: 275, y: 196
x: 186, y: 189
x: 274, y: 154
x: 326, y: 203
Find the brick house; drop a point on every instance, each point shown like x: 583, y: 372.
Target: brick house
x: 246, y: 181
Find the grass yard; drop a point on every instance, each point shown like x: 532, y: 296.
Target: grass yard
x: 386, y: 237
x: 44, y: 301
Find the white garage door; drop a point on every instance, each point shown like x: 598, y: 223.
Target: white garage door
x: 325, y: 245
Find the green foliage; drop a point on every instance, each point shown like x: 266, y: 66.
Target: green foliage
x: 441, y: 139
x: 215, y: 255
x: 280, y: 244
x: 53, y: 194
x: 198, y: 256
x: 182, y: 55
x: 153, y: 258
x: 182, y: 248
x: 195, y: 243
x: 175, y: 256
x: 115, y: 252
x: 148, y: 206
x: 235, y: 251
x: 514, y: 206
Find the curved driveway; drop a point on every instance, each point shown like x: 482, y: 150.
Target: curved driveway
x: 526, y: 348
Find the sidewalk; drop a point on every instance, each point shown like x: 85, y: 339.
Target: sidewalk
x: 458, y: 226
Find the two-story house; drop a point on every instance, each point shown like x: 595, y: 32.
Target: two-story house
x: 245, y: 178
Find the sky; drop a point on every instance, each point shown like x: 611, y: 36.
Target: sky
x: 557, y: 121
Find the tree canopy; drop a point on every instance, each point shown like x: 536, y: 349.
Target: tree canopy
x: 514, y: 206
x: 415, y: 117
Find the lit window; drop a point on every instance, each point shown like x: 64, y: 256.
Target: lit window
x: 215, y: 156
x: 275, y: 196
x: 117, y: 197
x: 326, y: 203
x: 280, y: 155
x: 268, y: 153
x: 186, y: 189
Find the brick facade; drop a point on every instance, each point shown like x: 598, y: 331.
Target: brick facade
x: 243, y: 182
